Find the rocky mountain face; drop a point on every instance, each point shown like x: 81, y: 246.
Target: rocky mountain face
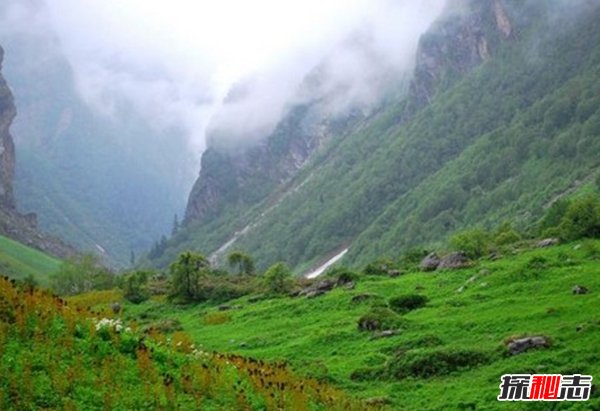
x: 456, y: 44
x: 7, y: 146
x: 22, y: 228
x: 463, y: 38
x: 248, y: 175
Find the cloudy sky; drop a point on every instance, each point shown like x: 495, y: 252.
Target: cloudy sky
x: 176, y: 60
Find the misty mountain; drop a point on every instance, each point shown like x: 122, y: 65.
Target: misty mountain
x: 18, y: 226
x: 106, y: 183
x: 500, y: 119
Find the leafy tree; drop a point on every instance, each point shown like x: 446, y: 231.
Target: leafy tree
x: 475, y: 242
x: 278, y: 278
x: 81, y: 274
x: 242, y: 262
x: 133, y: 285
x: 185, y: 275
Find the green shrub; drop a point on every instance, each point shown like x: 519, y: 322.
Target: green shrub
x: 581, y: 219
x: 380, y: 318
x: 342, y: 275
x: 409, y: 302
x: 278, y: 279
x: 413, y: 257
x: 379, y: 267
x: 427, y: 364
x: 134, y: 286
x: 537, y: 263
x: 474, y: 242
x: 367, y: 374
x: 591, y: 250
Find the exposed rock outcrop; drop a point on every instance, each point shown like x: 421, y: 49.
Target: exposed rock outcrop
x: 460, y: 41
x: 7, y: 146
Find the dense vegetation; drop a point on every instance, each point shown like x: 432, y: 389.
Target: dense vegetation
x: 501, y: 142
x: 58, y: 355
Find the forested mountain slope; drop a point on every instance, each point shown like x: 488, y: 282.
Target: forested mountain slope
x: 108, y: 184
x: 501, y: 118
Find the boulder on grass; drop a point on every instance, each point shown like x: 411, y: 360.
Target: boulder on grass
x: 547, y: 242
x: 579, y: 289
x: 453, y: 261
x: 521, y: 345
x: 430, y: 263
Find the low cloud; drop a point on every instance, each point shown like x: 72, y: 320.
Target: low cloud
x: 233, y: 65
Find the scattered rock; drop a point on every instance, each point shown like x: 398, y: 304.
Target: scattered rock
x: 314, y: 293
x: 350, y: 285
x: 395, y: 273
x: 547, y: 242
x: 521, y: 345
x: 377, y: 401
x: 369, y: 324
x: 430, y: 263
x: 116, y: 308
x: 325, y: 285
x: 453, y: 260
x: 384, y: 334
x: 484, y: 272
x: 494, y: 256
x: 362, y: 297
x: 579, y: 289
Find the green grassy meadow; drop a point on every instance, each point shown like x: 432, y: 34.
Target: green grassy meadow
x: 470, y: 314
x: 19, y: 261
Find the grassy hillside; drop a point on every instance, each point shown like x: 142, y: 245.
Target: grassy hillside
x: 56, y: 355
x: 19, y: 261
x: 500, y: 142
x: 447, y: 355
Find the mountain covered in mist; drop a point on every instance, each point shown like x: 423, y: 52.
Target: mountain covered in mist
x: 108, y: 183
x: 500, y: 119
x: 20, y: 227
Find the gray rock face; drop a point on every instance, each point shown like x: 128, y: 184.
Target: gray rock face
x: 7, y: 146
x: 524, y: 344
x: 453, y: 261
x: 430, y: 263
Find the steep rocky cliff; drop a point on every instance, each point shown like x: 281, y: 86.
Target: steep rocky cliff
x: 7, y: 147
x: 463, y: 38
x: 22, y: 228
